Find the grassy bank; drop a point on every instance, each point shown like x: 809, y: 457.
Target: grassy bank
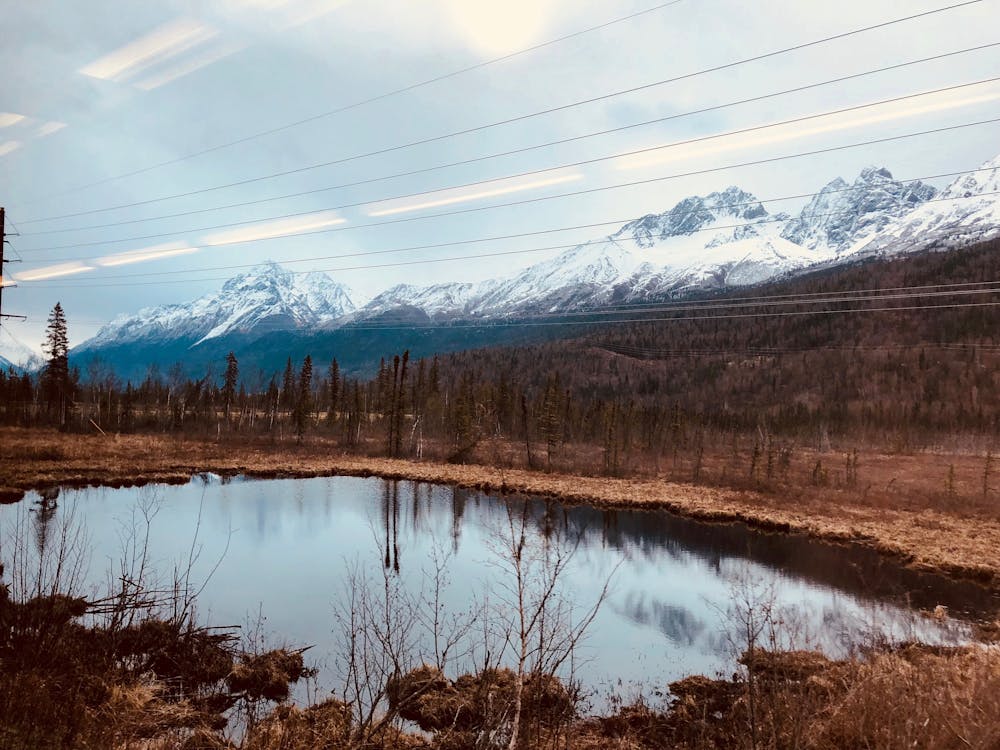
x: 961, y: 540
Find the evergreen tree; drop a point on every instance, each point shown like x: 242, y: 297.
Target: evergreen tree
x: 331, y: 414
x: 57, y: 386
x: 229, y: 382
x: 288, y: 386
x: 303, y: 402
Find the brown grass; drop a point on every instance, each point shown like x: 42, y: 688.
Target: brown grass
x: 941, y: 536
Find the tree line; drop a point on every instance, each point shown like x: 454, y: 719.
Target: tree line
x: 654, y: 389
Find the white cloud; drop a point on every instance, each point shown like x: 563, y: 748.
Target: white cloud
x: 8, y: 146
x: 215, y: 53
x: 9, y: 118
x: 437, y: 198
x: 782, y: 133
x: 49, y: 128
x: 54, y: 271
x: 164, y: 43
x: 278, y: 228
x: 166, y: 250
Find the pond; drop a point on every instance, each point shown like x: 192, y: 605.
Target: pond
x: 281, y: 551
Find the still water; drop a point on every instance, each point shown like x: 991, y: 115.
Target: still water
x: 282, y: 549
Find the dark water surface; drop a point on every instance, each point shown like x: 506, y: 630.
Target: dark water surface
x: 282, y: 548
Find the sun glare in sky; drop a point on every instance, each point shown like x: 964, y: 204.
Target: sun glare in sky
x: 497, y: 27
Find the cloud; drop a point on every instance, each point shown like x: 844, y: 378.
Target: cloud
x: 437, y: 198
x: 51, y: 272
x: 156, y: 252
x: 873, y: 114
x: 8, y: 146
x: 215, y: 53
x: 165, y: 43
x: 49, y: 128
x: 304, y: 11
x: 10, y: 118
x: 278, y: 228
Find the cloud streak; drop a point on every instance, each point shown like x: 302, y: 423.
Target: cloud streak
x: 463, y: 195
x: 9, y: 146
x: 782, y: 133
x: 278, y: 228
x: 53, y: 272
x: 162, y: 45
x: 167, y: 250
x: 10, y: 118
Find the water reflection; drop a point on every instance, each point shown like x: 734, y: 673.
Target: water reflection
x: 289, y: 543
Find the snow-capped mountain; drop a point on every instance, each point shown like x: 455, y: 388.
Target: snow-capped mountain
x: 266, y: 298
x: 841, y: 215
x: 14, y: 354
x: 717, y: 241
x: 966, y: 211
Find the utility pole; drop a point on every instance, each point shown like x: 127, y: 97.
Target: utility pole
x: 3, y: 241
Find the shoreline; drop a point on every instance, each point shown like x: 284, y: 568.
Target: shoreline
x: 958, y: 547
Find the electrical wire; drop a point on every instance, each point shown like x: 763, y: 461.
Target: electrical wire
x: 500, y: 205
x: 511, y: 152
x: 551, y: 110
x: 609, y: 240
x: 724, y: 297
x: 791, y: 313
x: 370, y: 100
x: 423, y: 261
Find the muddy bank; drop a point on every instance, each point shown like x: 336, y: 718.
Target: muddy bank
x: 958, y: 546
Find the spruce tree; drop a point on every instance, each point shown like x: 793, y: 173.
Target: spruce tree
x: 303, y: 402
x: 288, y: 385
x: 331, y: 414
x: 56, y: 381
x: 229, y: 382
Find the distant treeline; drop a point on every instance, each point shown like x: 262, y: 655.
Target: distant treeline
x: 726, y: 365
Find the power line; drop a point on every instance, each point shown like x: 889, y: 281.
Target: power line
x: 726, y: 301
x: 713, y: 228
x: 651, y: 353
x: 539, y: 113
x: 787, y: 313
x: 526, y: 201
x: 511, y: 152
x: 423, y: 261
x: 370, y: 100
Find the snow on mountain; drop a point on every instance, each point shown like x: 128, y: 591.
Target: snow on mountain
x: 741, y: 262
x: 967, y: 211
x: 435, y: 300
x: 840, y: 215
x: 696, y: 214
x: 702, y: 242
x: 265, y: 298
x: 14, y: 354
x: 583, y: 275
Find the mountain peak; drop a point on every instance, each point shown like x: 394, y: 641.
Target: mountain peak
x: 874, y: 174
x: 842, y: 214
x: 693, y: 214
x: 265, y: 297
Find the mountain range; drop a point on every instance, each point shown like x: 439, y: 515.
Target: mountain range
x: 702, y: 244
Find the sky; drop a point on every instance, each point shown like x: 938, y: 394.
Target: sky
x: 111, y: 109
